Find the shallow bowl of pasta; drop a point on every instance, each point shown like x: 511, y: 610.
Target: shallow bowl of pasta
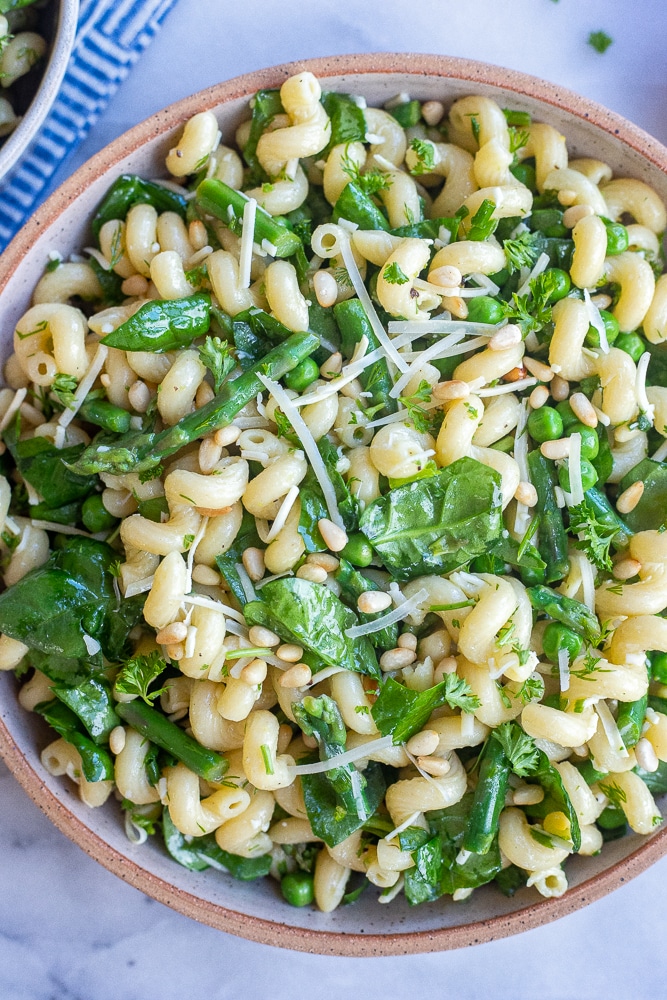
x: 332, y: 498
x: 35, y: 47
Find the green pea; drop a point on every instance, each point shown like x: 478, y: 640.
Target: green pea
x: 297, y: 888
x: 562, y: 283
x: 566, y: 414
x: 484, y: 309
x: 358, y: 550
x: 590, y: 442
x: 557, y: 637
x: 589, y: 476
x: 545, y: 424
x: 632, y: 344
x: 610, y: 327
x: 302, y: 376
x: 617, y: 238
x: 659, y: 667
x: 525, y: 174
x: 531, y: 577
x: 95, y: 516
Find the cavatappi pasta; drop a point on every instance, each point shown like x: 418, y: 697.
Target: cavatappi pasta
x: 22, y: 47
x: 333, y: 501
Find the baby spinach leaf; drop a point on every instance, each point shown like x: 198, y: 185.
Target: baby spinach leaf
x: 437, y: 524
x: 91, y: 701
x: 328, y: 818
x: 163, y: 325
x: 199, y: 853
x: 44, y: 466
x: 510, y: 880
x: 552, y: 783
x: 110, y: 283
x: 651, y: 511
x: 436, y: 870
x: 266, y: 106
x: 62, y: 669
x: 310, y: 615
x: 96, y: 763
x: 246, y: 538
x: 186, y: 851
x: 129, y: 190
x: 348, y: 123
x: 401, y: 712
x: 71, y: 594
x: 354, y: 324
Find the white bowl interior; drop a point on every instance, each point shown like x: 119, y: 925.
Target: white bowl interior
x: 68, y: 233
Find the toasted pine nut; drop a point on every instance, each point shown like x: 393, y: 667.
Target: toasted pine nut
x: 353, y: 389
x: 197, y: 234
x: 284, y: 737
x: 313, y: 573
x: 423, y: 744
x: 407, y: 640
x: 437, y: 766
x: 209, y: 454
x: 432, y: 112
x: 373, y: 601
x: 560, y: 448
x: 203, y: 395
x: 446, y: 666
x: 263, y: 637
x: 253, y: 563
x: 629, y: 498
x: 560, y: 388
x: 139, y: 396
x: 105, y: 380
x: 526, y: 494
x: 527, y: 795
x: 602, y: 301
x: 289, y: 652
x: 447, y: 276
x: 457, y: 306
x: 334, y: 538
x: 297, y: 676
x: 583, y: 409
x: 325, y: 288
x: 646, y: 755
x: 625, y: 569
x: 396, y: 658
x: 572, y: 215
x: 454, y: 389
x: 176, y: 632
x: 175, y: 651
x: 507, y: 336
x: 323, y: 559
x: 332, y: 366
x: 309, y: 741
x: 254, y: 672
x: 567, y: 196
x: 205, y: 575
x: 538, y: 369
x: 227, y: 435
x: 116, y: 739
x: 538, y: 396
x: 515, y: 374
x: 135, y: 285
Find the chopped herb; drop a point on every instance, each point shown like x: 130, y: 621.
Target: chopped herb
x: 519, y: 748
x: 64, y: 386
x: 266, y: 757
x: 215, y: 355
x: 139, y: 673
x: 393, y: 274
x: 425, y: 156
x: 600, y: 41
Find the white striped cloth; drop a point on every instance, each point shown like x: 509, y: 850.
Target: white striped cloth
x: 111, y: 36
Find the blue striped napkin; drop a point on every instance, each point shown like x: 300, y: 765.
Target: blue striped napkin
x: 111, y: 36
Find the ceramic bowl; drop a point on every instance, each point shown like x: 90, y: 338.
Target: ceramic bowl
x: 256, y: 911
x: 60, y: 31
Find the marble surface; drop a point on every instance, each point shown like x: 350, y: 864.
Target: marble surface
x: 69, y: 930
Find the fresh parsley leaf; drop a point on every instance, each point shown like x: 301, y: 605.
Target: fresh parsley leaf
x: 371, y: 182
x: 519, y: 748
x: 518, y: 138
x: 64, y: 387
x: 600, y: 41
x: 425, y: 153
x: 393, y: 274
x: 216, y: 355
x: 521, y: 252
x: 594, y: 537
x: 139, y: 673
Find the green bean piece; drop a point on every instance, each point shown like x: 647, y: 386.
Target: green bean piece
x: 218, y: 199
x: 558, y: 637
x: 563, y: 609
x: 140, y: 451
x: 163, y: 325
x: 552, y: 537
x: 354, y: 205
x: 104, y: 414
x: 158, y: 729
x: 489, y: 798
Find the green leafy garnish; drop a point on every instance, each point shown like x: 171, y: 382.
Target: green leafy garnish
x: 139, y: 673
x: 216, y: 355
x: 600, y: 41
x: 393, y: 274
x: 425, y: 154
x: 519, y: 748
x: 64, y: 387
x: 521, y: 252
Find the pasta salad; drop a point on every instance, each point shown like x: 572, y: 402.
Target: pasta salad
x: 334, y: 496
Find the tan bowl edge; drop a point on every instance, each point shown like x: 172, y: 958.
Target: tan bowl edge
x: 250, y: 927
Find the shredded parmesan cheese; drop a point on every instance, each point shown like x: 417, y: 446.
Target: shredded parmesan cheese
x: 309, y: 446
x: 640, y: 387
x: 596, y: 321
x: 247, y: 238
x: 564, y: 669
x: 84, y: 386
x: 522, y: 517
x: 356, y: 753
x: 541, y: 264
x: 139, y: 586
x: 576, y: 494
x: 498, y: 390
x: 246, y: 583
x: 63, y: 529
x: 12, y: 408
x: 438, y: 350
x: 282, y: 514
x: 424, y: 327
x: 402, y: 611
x: 403, y: 826
x: 92, y: 645
x: 611, y: 729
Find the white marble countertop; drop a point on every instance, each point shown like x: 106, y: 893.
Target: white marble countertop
x: 69, y: 930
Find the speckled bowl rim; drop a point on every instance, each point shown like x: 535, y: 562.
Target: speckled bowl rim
x: 63, y: 42
x: 245, y: 925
